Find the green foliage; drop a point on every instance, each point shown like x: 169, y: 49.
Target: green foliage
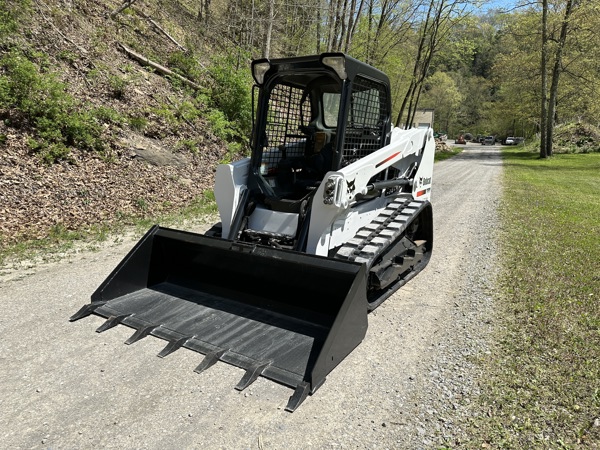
x: 118, y: 86
x: 185, y: 64
x: 107, y: 115
x: 11, y: 13
x: 67, y: 56
x: 517, y: 72
x: 187, y: 111
x: 141, y: 204
x: 166, y: 113
x: 221, y: 127
x: 37, y: 100
x: 231, y: 92
x: 172, y: 112
x: 541, y: 387
x: 576, y: 138
x: 138, y: 123
x: 442, y: 94
x: 190, y: 145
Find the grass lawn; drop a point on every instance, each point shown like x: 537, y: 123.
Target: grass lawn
x: 542, y: 383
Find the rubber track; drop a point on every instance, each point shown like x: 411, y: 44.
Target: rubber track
x: 375, y: 238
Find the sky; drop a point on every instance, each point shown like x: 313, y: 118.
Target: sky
x: 499, y: 4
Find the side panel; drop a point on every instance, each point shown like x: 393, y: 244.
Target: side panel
x: 424, y: 175
x: 345, y: 226
x: 230, y: 180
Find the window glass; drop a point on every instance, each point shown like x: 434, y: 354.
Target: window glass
x: 331, y: 107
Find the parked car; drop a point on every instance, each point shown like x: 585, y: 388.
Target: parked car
x: 460, y: 140
x: 489, y: 140
x: 510, y: 141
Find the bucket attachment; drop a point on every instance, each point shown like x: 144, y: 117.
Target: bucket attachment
x: 283, y: 315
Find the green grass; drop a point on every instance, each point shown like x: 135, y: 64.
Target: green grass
x: 542, y: 386
x: 442, y: 156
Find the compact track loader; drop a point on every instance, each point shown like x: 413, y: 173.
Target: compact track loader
x: 327, y: 218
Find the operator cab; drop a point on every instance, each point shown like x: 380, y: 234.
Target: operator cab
x: 315, y: 114
x: 296, y: 144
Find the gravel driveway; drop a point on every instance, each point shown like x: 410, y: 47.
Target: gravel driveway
x: 408, y: 385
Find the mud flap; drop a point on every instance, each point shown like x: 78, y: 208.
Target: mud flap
x: 283, y: 315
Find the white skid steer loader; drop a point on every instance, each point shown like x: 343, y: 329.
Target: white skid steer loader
x: 328, y: 217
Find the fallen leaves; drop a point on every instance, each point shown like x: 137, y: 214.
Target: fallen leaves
x: 89, y: 190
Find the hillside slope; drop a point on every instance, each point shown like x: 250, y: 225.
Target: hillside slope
x: 155, y: 151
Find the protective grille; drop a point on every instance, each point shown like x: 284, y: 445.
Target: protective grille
x: 286, y: 113
x: 367, y: 115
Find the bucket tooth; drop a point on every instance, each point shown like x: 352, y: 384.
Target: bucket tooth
x: 112, y: 321
x: 210, y: 360
x: 299, y: 395
x: 173, y: 346
x: 141, y: 333
x: 86, y: 310
x: 251, y: 375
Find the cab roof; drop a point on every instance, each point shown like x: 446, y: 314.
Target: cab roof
x: 306, y: 68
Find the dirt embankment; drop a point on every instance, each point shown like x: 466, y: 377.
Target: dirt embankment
x: 154, y: 160
x: 143, y: 178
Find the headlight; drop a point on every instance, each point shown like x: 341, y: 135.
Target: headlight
x: 333, y: 194
x: 337, y: 63
x: 258, y: 71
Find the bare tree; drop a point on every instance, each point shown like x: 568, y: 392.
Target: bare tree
x: 269, y: 33
x: 204, y: 11
x: 440, y: 18
x: 353, y: 17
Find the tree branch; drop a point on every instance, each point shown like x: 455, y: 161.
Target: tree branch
x: 160, y: 69
x: 124, y: 6
x: 160, y: 29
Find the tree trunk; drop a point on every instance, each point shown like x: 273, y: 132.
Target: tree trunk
x: 352, y: 21
x: 160, y: 69
x: 416, y: 69
x: 550, y: 121
x: 335, y: 46
x: 544, y: 64
x: 206, y: 11
x: 270, y: 20
x: 343, y: 25
x: 318, y: 27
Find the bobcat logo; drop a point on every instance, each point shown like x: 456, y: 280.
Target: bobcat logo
x: 351, y: 186
x: 424, y: 181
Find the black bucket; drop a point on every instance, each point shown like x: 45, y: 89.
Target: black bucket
x: 283, y: 315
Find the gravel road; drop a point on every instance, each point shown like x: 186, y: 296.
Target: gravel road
x: 407, y: 386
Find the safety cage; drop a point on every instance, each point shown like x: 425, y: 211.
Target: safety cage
x: 313, y: 122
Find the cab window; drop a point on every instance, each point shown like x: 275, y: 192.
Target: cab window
x: 331, y: 107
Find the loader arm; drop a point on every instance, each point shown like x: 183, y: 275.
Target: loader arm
x: 339, y: 196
